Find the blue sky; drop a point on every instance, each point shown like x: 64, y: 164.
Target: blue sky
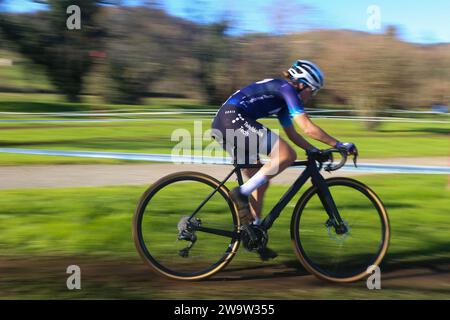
x: 421, y: 22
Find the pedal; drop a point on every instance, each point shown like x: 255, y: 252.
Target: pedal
x: 267, y: 254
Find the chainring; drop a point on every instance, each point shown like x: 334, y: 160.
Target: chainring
x: 254, y: 237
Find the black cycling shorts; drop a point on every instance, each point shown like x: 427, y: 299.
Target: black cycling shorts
x: 231, y: 126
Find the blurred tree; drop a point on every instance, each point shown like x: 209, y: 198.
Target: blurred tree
x: 387, y: 80
x: 257, y: 57
x: 143, y: 47
x: 372, y: 72
x: 212, y: 51
x: 44, y: 38
x: 135, y: 57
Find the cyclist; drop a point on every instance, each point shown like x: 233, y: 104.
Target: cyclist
x: 235, y: 124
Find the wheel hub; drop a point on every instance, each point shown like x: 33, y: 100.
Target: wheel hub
x: 339, y: 234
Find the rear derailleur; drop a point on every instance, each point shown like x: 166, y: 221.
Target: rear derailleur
x: 186, y: 231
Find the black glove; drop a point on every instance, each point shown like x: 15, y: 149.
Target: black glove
x: 313, y: 151
x: 317, y: 154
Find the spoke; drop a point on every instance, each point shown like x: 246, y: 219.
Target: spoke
x: 337, y: 257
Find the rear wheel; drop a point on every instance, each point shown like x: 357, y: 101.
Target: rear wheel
x: 345, y: 257
x: 171, y: 243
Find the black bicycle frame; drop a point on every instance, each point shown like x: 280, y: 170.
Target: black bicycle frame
x: 311, y: 171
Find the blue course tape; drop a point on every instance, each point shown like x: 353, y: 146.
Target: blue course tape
x: 362, y: 167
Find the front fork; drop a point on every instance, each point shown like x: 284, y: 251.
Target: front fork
x: 334, y: 218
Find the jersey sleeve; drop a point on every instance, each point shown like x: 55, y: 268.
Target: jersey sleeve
x: 293, y: 102
x: 284, y: 118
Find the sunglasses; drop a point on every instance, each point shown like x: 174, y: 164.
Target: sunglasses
x: 306, y: 86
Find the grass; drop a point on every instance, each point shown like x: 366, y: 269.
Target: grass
x: 46, y: 102
x: 22, y: 74
x: 62, y: 221
x: 96, y: 222
x: 155, y: 136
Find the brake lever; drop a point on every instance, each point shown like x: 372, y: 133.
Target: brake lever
x: 329, y: 167
x: 355, y: 157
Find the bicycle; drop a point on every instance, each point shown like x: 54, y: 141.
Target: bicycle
x: 186, y: 227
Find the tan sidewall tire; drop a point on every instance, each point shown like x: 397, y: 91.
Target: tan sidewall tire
x: 156, y: 186
x: 297, y: 214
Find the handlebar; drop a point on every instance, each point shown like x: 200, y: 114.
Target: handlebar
x: 327, y: 156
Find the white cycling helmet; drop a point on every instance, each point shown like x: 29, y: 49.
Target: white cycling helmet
x: 308, y: 73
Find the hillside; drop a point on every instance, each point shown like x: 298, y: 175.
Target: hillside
x: 361, y: 68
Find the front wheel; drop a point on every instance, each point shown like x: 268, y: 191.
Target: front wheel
x: 341, y: 257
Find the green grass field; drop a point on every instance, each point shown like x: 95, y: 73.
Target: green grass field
x: 63, y: 221
x: 44, y: 102
x: 155, y: 136
x: 22, y: 74
x: 96, y: 223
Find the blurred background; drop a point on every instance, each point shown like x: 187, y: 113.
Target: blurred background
x: 126, y: 74
x: 373, y: 57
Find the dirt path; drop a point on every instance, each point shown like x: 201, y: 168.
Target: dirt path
x: 281, y: 279
x: 60, y: 176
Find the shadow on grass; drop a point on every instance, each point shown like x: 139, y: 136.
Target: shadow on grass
x: 430, y: 259
x: 433, y: 258
x: 257, y: 272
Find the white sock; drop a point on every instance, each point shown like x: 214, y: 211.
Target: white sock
x: 253, y: 183
x: 257, y: 221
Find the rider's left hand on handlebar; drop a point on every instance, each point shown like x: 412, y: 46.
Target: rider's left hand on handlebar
x: 348, y: 146
x: 318, y: 154
x: 313, y: 151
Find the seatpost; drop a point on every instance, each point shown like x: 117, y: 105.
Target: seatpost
x: 237, y: 169
x: 235, y: 151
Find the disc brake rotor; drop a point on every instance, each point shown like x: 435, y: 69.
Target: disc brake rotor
x: 339, y: 238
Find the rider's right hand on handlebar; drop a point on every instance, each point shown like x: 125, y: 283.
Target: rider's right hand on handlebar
x: 327, y: 155
x: 348, y: 146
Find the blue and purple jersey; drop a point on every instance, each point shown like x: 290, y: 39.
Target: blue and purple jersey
x: 268, y: 97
